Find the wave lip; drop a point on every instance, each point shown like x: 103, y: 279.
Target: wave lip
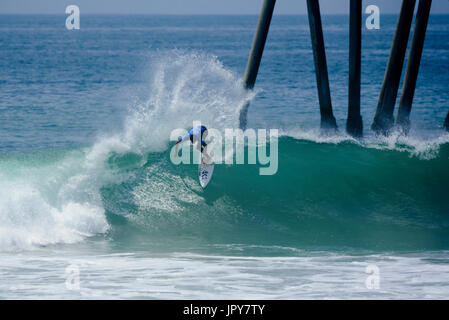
x: 416, y: 144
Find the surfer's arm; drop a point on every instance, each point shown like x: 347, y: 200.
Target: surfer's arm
x: 186, y: 137
x: 180, y: 140
x: 177, y: 146
x: 176, y: 149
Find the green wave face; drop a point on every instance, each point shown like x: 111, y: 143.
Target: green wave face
x: 323, y: 196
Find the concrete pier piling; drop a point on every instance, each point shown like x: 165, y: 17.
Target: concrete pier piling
x: 354, y: 123
x: 414, y: 61
x: 446, y: 123
x: 383, y: 120
x: 256, y: 52
x: 322, y: 78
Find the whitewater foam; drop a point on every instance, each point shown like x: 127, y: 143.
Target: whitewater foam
x: 416, y: 143
x: 184, y: 88
x: 27, y: 219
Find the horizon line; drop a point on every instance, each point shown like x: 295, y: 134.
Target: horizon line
x: 190, y: 14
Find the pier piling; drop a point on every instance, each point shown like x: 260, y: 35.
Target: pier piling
x: 414, y: 60
x: 446, y: 122
x: 256, y: 52
x: 354, y: 123
x: 383, y: 120
x: 319, y: 55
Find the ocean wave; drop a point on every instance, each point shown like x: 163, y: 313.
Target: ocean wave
x: 384, y: 192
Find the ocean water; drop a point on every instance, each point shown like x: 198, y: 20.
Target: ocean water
x: 92, y: 207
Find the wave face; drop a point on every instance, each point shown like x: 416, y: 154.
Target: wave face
x: 324, y: 195
x: 329, y: 192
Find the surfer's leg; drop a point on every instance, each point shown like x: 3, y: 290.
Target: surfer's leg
x: 206, y: 158
x: 197, y: 144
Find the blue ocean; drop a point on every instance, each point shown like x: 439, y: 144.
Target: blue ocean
x: 88, y: 191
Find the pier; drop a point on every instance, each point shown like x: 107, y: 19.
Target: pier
x: 354, y: 123
x: 255, y: 55
x: 384, y: 120
x: 414, y: 61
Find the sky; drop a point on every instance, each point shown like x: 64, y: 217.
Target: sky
x: 195, y: 6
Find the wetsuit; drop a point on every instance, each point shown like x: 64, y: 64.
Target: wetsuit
x: 196, y: 132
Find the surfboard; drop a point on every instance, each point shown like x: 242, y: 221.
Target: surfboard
x: 205, y: 172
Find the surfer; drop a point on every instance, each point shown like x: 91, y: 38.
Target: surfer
x: 196, y: 135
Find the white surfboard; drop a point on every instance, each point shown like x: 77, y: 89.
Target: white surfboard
x: 205, y: 172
